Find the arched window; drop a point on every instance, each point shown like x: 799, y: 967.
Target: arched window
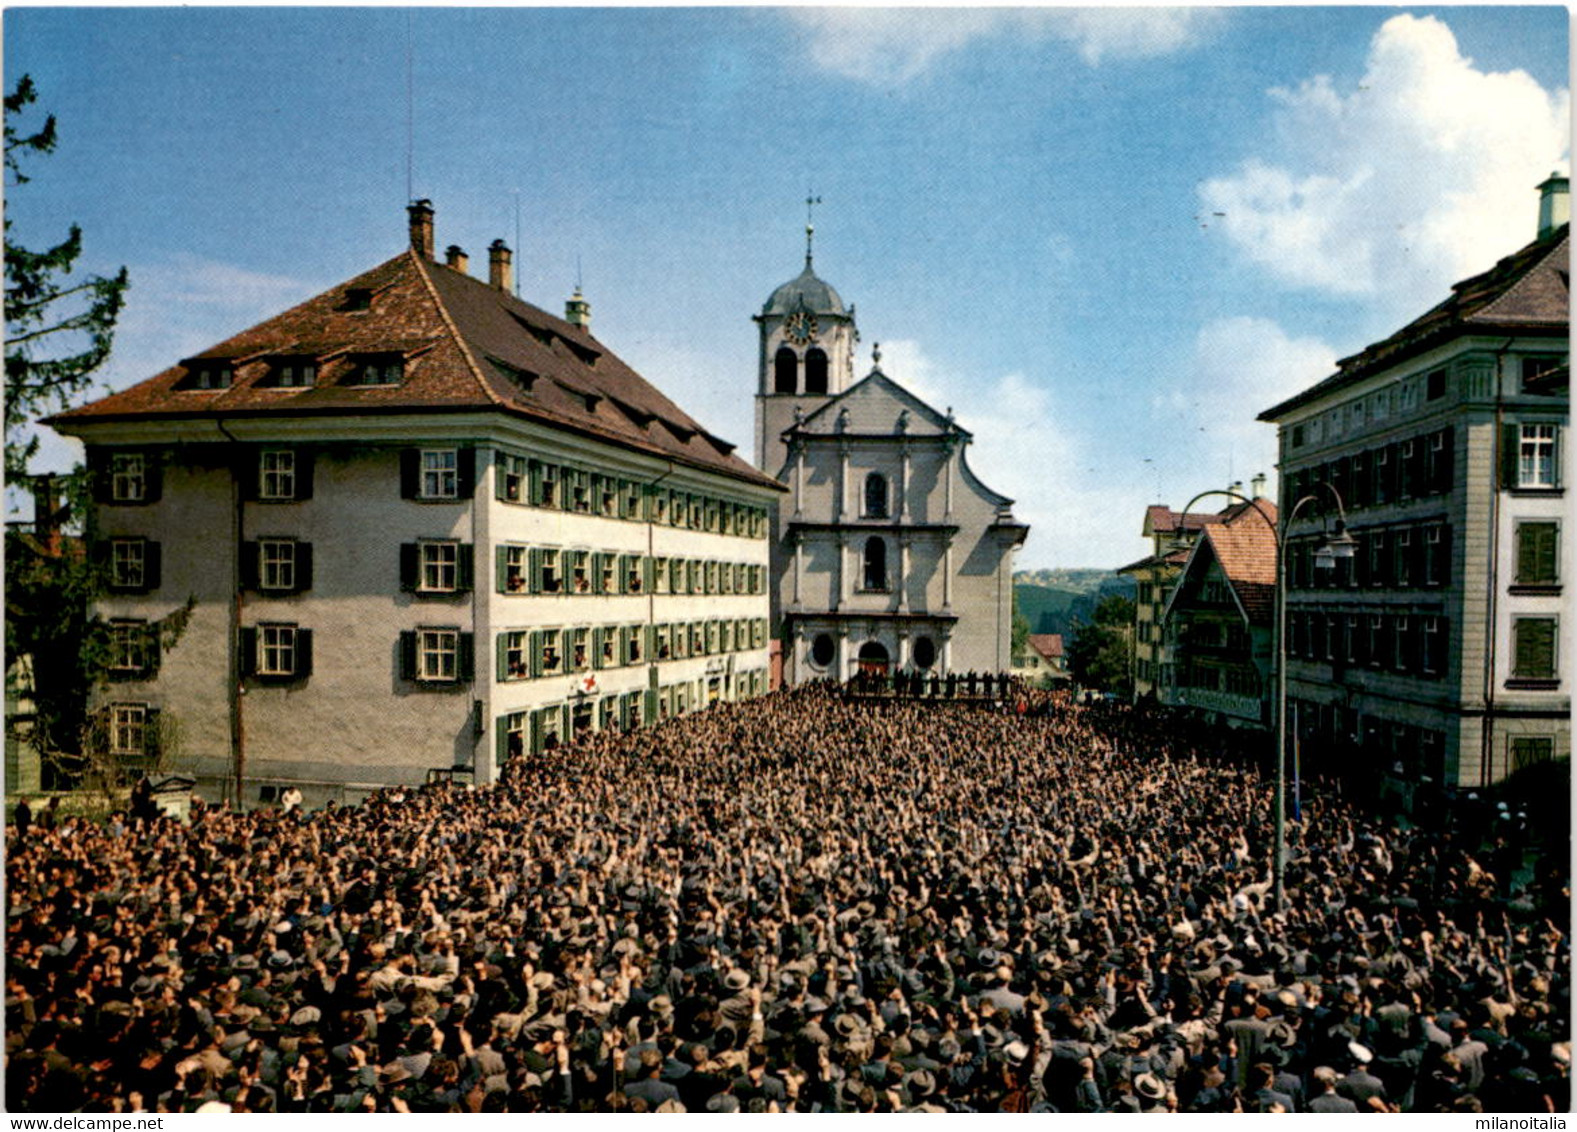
x: 873, y: 658
x: 875, y: 564
x: 815, y: 371
x: 785, y: 371
x: 876, y: 496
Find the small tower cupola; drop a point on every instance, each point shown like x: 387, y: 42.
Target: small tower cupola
x: 577, y: 311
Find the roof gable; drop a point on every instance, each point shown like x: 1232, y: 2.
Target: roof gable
x: 875, y: 404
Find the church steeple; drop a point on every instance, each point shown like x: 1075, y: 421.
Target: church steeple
x: 807, y: 351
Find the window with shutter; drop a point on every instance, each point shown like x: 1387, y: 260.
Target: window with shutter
x: 1533, y: 648
x: 128, y: 562
x: 1537, y: 554
x: 128, y: 730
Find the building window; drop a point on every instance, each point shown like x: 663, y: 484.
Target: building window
x: 440, y: 473
x: 785, y: 371
x: 1538, y: 560
x: 379, y: 369
x: 128, y: 564
x: 815, y: 371
x: 438, y: 655
x: 579, y: 490
x: 662, y: 575
x: 607, y: 574
x: 822, y: 650
x: 128, y: 477
x: 664, y: 643
x: 1437, y: 564
x: 1435, y: 385
x: 550, y: 660
x: 1536, y: 456
x: 276, y: 650
x: 924, y: 653
x: 1536, y: 367
x: 608, y: 647
x: 580, y: 649
x: 276, y: 564
x: 608, y: 497
x: 1527, y: 750
x: 131, y: 649
x: 876, y: 496
x: 549, y: 580
x: 276, y: 475
x: 516, y: 660
x: 128, y: 729
x: 440, y: 567
x: 1533, y: 648
x: 211, y: 375
x: 660, y: 508
x: 875, y: 573
x: 512, y: 478
x: 517, y: 567
x: 294, y: 373
x: 1402, y: 557
x: 580, y: 571
x: 515, y: 732
x: 634, y: 574
x: 1431, y: 646
x: 547, y: 493
x: 632, y: 644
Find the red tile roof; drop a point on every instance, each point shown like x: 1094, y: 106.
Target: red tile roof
x: 1049, y: 645
x: 1525, y: 293
x: 466, y: 346
x: 1247, y: 554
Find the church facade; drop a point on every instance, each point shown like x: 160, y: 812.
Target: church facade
x: 888, y: 554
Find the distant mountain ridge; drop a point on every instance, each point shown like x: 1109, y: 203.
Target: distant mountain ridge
x: 1053, y: 601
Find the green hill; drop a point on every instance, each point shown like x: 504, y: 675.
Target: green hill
x: 1052, y: 600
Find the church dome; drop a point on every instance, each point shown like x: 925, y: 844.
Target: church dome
x: 805, y: 291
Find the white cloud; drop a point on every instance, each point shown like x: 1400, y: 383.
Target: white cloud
x: 1026, y: 447
x: 1420, y: 175
x: 886, y: 46
x: 1240, y: 367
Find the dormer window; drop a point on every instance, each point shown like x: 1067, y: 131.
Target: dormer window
x: 293, y: 373
x: 378, y: 369
x: 211, y: 374
x: 358, y: 299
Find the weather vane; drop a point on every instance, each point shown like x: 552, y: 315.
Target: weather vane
x: 811, y: 201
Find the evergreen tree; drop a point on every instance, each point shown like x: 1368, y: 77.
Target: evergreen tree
x: 58, y: 328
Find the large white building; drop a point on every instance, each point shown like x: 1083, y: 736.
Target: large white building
x: 889, y: 554
x: 426, y: 527
x: 1442, y: 651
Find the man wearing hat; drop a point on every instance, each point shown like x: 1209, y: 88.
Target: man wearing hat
x: 1360, y: 1086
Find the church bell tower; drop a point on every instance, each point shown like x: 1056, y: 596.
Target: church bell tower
x: 806, y: 359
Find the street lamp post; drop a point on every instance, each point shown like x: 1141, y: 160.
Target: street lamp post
x: 1338, y: 545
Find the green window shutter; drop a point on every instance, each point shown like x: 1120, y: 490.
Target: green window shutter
x: 248, y: 471
x: 153, y: 471
x: 465, y: 567
x: 150, y: 732
x: 535, y: 642
x: 597, y: 559
x: 501, y: 568
x: 1510, y: 454
x: 500, y: 741
x: 1527, y: 552
x: 1535, y: 648
x: 303, y: 567
x: 304, y: 463
x: 410, y: 566
x: 465, y: 658
x: 501, y: 656
x: 596, y: 648
x: 98, y: 463
x: 410, y: 473
x: 303, y: 653
x: 535, y: 583
x: 408, y: 665
x: 1548, y: 566
x: 649, y: 574
x: 248, y: 652
x: 1555, y: 459
x: 500, y: 467
x: 249, y: 564
x: 152, y: 565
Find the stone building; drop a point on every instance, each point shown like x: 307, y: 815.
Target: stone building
x: 427, y: 526
x: 888, y: 553
x: 1442, y: 651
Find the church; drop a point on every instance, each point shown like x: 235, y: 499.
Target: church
x: 888, y: 553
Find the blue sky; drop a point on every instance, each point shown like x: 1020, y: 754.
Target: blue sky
x: 1107, y: 238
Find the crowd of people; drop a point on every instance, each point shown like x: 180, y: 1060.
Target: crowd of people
x: 798, y: 903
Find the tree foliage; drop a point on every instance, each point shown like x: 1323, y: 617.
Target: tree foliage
x: 1101, y: 654
x: 59, y: 328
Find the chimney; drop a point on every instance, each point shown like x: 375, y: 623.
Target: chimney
x: 47, y: 512
x: 1258, y: 483
x: 455, y: 257
x: 421, y: 213
x: 500, y: 271
x: 1555, y: 206
x: 578, y: 311
x: 1236, y: 488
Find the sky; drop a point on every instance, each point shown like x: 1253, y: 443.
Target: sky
x: 1107, y: 238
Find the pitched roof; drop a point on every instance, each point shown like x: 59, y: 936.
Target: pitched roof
x: 1048, y: 645
x: 1247, y: 555
x: 466, y: 346
x: 1161, y: 519
x: 1528, y: 292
